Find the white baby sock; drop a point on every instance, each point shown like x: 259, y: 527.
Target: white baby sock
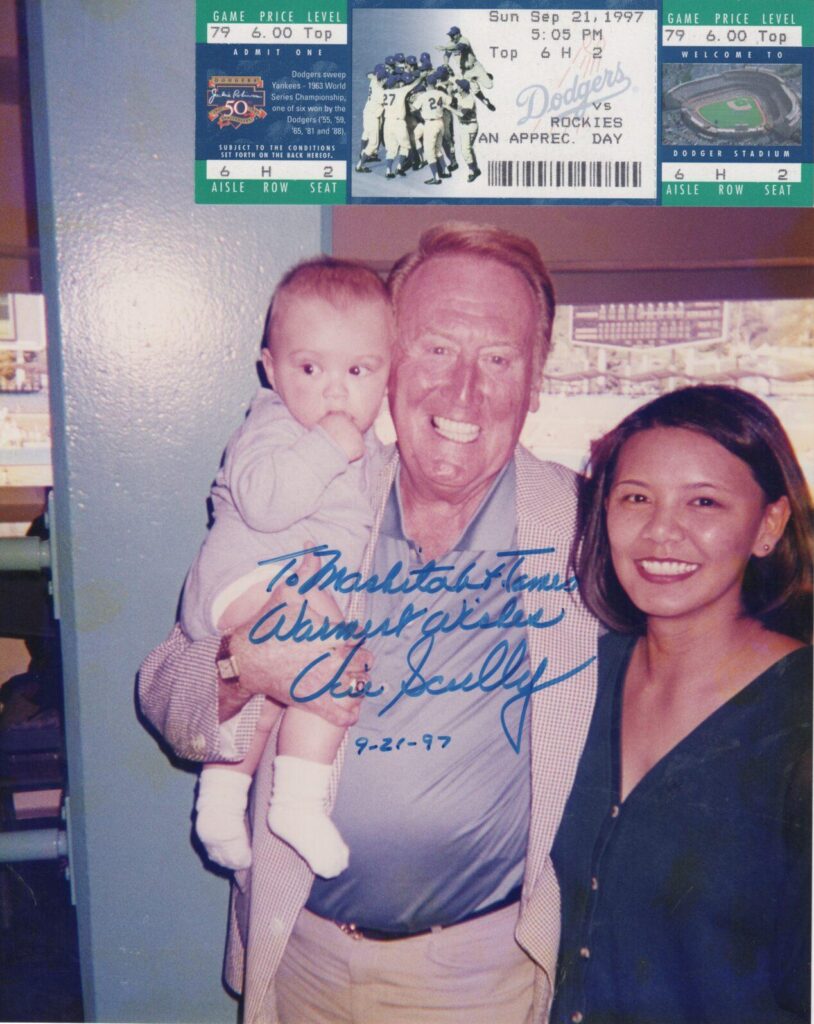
x: 297, y: 814
x: 220, y: 821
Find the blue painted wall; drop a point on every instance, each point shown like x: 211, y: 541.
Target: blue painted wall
x: 155, y: 310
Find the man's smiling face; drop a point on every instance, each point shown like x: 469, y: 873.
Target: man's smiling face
x: 463, y: 376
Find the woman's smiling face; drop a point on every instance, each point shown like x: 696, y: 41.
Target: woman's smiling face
x: 684, y: 516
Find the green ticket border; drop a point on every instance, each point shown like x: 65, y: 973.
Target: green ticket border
x: 801, y: 10
x: 298, y: 192
x: 745, y: 193
x: 251, y: 9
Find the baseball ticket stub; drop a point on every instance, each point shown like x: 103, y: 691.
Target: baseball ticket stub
x: 273, y: 102
x: 736, y: 101
x: 648, y: 102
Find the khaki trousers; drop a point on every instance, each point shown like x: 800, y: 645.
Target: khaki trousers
x: 472, y: 973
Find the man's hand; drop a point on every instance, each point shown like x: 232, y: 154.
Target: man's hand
x: 341, y: 428
x: 270, y: 668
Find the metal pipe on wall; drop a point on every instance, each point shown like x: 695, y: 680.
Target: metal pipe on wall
x: 24, y: 554
x: 35, y: 844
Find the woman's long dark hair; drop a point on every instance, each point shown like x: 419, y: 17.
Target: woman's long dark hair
x: 777, y: 589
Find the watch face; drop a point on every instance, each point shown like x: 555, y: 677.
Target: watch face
x: 227, y: 669
x: 225, y: 662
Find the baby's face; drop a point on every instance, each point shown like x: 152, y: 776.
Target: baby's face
x: 327, y: 359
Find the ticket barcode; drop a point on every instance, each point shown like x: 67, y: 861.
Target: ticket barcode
x: 565, y: 173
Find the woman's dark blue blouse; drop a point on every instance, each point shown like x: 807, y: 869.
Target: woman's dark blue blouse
x: 691, y: 901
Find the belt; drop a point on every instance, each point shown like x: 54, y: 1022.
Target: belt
x: 355, y: 931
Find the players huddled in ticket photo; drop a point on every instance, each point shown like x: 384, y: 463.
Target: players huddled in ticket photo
x: 421, y: 115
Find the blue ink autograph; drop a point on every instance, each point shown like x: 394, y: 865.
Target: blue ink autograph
x: 303, y: 629
x: 504, y: 667
x: 430, y: 578
x: 501, y: 669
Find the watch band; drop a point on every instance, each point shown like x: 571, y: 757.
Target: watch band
x: 226, y: 662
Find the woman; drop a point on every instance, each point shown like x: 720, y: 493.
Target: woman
x: 684, y: 850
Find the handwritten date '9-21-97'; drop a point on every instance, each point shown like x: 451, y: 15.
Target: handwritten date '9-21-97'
x: 387, y: 744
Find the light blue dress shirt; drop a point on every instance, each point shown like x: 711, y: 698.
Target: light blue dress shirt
x: 434, y: 797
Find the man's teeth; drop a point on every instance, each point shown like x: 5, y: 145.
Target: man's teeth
x: 455, y: 430
x: 668, y: 568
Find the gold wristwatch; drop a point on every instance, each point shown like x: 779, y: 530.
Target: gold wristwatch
x: 226, y: 662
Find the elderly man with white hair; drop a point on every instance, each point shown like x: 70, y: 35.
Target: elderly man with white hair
x: 479, y: 660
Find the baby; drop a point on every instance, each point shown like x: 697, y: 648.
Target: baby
x: 297, y: 473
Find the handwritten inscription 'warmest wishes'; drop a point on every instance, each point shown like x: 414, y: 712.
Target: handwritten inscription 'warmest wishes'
x: 506, y: 667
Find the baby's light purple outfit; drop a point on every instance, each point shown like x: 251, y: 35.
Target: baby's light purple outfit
x: 280, y: 487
